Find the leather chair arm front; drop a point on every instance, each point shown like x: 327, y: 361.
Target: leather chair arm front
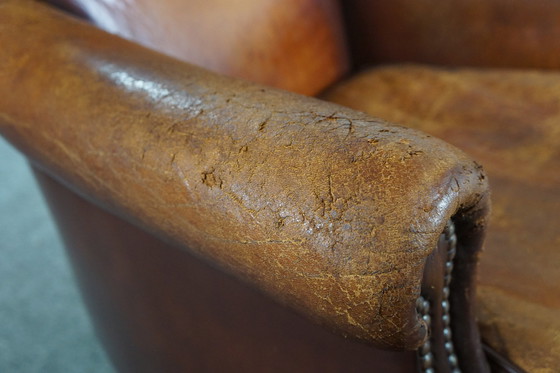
x: 326, y: 209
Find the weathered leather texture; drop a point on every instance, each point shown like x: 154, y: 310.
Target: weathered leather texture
x: 508, y: 120
x: 323, y: 208
x: 156, y: 308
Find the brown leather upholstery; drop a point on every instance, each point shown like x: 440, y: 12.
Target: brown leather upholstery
x: 157, y: 308
x: 508, y: 121
x: 484, y: 33
x: 297, y: 45
x: 324, y: 209
x: 256, y: 180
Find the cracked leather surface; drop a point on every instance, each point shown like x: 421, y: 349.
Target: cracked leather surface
x: 326, y: 209
x: 508, y: 120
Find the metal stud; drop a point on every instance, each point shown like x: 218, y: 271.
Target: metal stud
x: 448, y: 348
x: 426, y: 348
x: 445, y: 306
x: 423, y: 307
x: 452, y: 358
x: 449, y: 266
x: 427, y: 360
x: 447, y: 334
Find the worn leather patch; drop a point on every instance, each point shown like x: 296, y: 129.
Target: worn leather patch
x: 326, y: 209
x: 508, y: 121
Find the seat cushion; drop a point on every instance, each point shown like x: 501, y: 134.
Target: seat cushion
x: 510, y: 122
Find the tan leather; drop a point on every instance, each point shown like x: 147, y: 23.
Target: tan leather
x: 298, y: 45
x: 159, y: 309
x: 323, y: 208
x: 499, y: 33
x: 507, y: 120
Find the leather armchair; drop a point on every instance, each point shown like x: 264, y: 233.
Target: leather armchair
x: 204, y: 214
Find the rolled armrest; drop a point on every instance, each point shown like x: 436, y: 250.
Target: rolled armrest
x: 326, y: 209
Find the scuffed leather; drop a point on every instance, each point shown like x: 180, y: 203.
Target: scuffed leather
x: 326, y: 209
x: 507, y: 119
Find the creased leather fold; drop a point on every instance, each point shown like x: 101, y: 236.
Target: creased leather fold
x: 326, y: 209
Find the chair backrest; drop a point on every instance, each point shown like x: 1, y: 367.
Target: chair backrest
x: 492, y: 33
x: 305, y: 46
x: 297, y: 45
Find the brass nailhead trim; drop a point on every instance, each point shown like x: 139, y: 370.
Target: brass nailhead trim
x: 425, y: 354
